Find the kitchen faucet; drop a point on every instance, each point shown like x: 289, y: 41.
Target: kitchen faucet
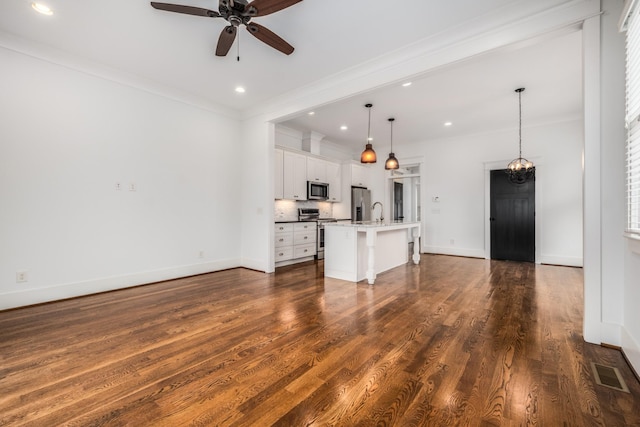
x: 381, y: 210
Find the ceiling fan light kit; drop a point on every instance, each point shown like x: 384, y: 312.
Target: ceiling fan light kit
x: 368, y: 155
x: 236, y: 13
x: 520, y: 170
x: 392, y: 162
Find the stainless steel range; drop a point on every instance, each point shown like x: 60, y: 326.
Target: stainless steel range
x: 313, y: 214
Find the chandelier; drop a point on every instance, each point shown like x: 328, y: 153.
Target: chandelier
x: 520, y: 170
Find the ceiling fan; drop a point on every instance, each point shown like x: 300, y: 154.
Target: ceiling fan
x: 236, y: 13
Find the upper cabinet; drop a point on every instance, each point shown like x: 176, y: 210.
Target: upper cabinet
x: 294, y: 176
x: 293, y: 170
x: 279, y: 174
x: 334, y: 179
x: 360, y: 176
x: 316, y: 170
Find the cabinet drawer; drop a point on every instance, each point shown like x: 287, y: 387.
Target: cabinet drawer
x: 284, y: 254
x: 301, y: 238
x: 283, y: 239
x: 304, y: 226
x: 301, y: 251
x: 284, y: 227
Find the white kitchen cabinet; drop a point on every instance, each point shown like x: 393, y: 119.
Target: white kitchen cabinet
x: 360, y: 176
x: 316, y: 170
x: 294, y: 242
x: 279, y: 174
x: 294, y: 176
x: 334, y: 179
x: 283, y: 242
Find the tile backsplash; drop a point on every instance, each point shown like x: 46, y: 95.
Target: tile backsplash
x: 287, y: 210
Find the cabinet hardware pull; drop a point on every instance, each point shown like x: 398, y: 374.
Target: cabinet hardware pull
x: 280, y: 254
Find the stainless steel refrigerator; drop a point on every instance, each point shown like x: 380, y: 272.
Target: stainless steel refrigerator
x: 360, y: 204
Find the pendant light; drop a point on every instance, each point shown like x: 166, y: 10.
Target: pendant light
x: 392, y: 162
x: 520, y: 170
x: 368, y: 155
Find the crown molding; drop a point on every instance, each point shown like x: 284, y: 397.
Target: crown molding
x: 95, y: 69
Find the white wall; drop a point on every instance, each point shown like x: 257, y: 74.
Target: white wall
x: 257, y: 177
x: 454, y: 171
x: 612, y: 113
x: 66, y: 138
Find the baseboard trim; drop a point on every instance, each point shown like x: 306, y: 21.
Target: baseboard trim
x: 631, y: 351
x: 560, y: 260
x: 35, y: 296
x: 470, y: 253
x: 254, y: 264
x: 626, y: 358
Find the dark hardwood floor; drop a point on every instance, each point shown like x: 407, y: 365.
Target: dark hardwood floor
x: 452, y: 341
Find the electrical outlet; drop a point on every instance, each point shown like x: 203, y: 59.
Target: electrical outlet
x: 21, y: 277
x: 118, y: 186
x: 133, y: 186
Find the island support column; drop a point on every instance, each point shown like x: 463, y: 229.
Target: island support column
x: 371, y: 262
x: 416, y: 244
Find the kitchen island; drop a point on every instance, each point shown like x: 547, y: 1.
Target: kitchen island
x: 358, y: 250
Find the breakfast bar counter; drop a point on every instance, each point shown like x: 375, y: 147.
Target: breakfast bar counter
x: 360, y: 250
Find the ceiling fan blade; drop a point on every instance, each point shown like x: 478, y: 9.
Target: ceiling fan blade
x: 188, y: 10
x: 226, y: 39
x: 266, y: 7
x: 269, y: 37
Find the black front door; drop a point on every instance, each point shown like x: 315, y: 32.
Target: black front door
x: 513, y: 222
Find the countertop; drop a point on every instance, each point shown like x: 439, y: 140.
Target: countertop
x: 307, y: 220
x: 373, y: 224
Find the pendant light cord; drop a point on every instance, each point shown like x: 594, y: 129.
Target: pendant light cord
x: 369, y: 126
x: 520, y: 90
x: 520, y: 125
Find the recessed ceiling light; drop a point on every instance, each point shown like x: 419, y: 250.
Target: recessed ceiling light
x: 343, y: 127
x: 240, y: 89
x: 39, y: 7
x: 448, y: 123
x: 407, y: 84
x: 311, y: 113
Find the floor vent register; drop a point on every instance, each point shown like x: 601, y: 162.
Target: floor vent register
x: 609, y: 376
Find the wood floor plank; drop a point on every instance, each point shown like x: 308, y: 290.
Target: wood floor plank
x: 452, y: 341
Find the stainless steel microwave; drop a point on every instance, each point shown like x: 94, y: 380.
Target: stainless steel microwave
x: 317, y: 190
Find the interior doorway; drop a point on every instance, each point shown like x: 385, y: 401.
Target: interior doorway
x: 404, y: 193
x: 512, y: 218
x: 398, y: 205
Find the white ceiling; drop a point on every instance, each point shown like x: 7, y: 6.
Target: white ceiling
x: 476, y: 96
x: 177, y: 51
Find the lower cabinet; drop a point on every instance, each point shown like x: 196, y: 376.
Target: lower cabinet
x: 294, y: 241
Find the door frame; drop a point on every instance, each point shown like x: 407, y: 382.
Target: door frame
x: 540, y: 179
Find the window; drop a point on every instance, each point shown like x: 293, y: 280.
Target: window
x: 631, y: 22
